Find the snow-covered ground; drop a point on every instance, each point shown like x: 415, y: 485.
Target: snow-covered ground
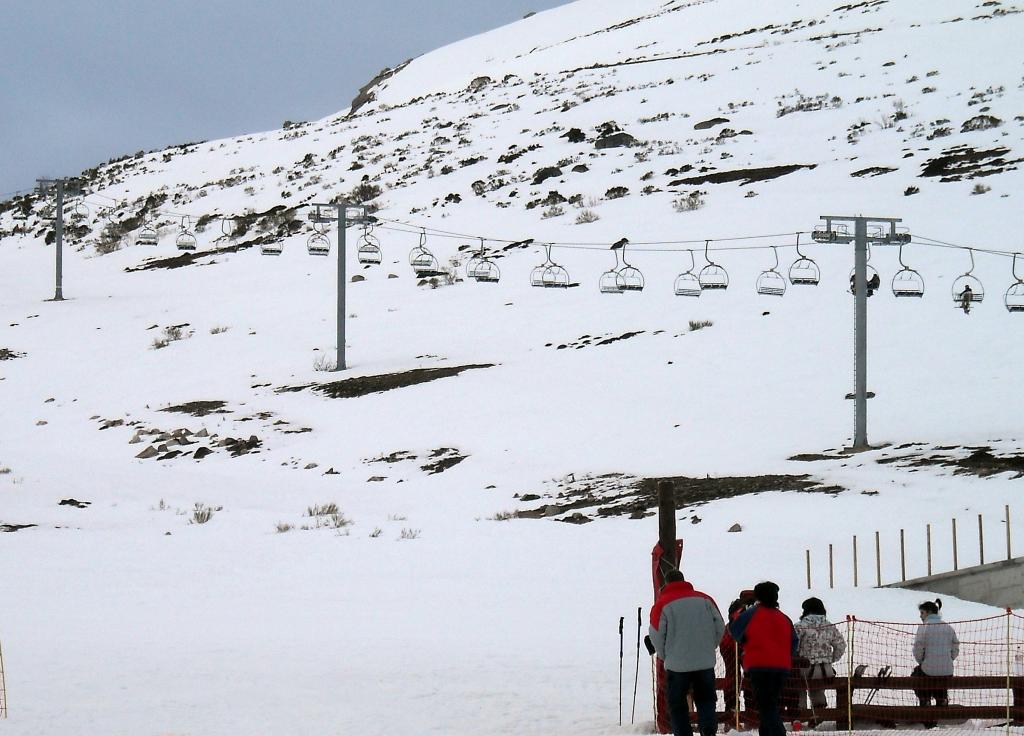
x: 125, y: 618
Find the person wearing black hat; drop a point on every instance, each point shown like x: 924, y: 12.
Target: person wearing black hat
x: 820, y: 645
x: 769, y: 644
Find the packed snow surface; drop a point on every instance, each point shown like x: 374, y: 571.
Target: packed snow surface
x: 422, y: 604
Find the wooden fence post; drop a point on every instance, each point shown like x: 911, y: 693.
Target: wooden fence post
x: 855, y: 572
x: 878, y: 560
x: 956, y: 565
x: 903, y: 558
x: 929, y: 537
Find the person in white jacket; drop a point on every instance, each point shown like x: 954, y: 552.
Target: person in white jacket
x: 935, y: 647
x: 821, y: 645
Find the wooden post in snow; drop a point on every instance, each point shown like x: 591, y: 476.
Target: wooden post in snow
x: 667, y: 526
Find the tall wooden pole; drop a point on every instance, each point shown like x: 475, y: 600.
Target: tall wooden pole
x: 667, y: 526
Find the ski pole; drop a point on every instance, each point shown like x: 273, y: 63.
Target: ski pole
x: 636, y: 677
x: 622, y: 620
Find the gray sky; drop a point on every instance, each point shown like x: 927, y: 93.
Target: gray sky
x: 84, y: 81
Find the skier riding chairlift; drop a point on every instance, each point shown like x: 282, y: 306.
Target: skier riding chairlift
x: 873, y: 283
x: 966, y: 296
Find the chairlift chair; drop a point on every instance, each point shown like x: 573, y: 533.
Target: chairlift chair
x: 80, y: 211
x: 771, y: 282
x: 968, y: 283
x: 1014, y: 297
x: 687, y: 283
x: 870, y: 277
x: 318, y: 244
x: 423, y: 262
x: 487, y: 272
x: 630, y: 277
x: 549, y: 275
x: 907, y: 281
x: 369, y: 252
x: 147, y: 236
x: 227, y: 227
x: 610, y: 281
x: 475, y: 266
x: 185, y: 240
x: 272, y: 249
x: 712, y: 276
x: 804, y: 271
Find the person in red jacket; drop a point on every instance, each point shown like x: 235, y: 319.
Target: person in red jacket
x: 769, y: 642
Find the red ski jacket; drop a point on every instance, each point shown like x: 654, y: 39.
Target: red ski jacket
x: 768, y: 638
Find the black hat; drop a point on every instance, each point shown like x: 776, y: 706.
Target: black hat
x: 767, y: 593
x: 813, y: 606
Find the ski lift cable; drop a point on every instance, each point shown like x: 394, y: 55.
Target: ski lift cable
x: 943, y: 244
x: 604, y: 245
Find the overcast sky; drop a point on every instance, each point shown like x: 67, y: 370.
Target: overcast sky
x: 83, y: 81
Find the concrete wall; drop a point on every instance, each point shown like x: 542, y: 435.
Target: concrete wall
x: 997, y: 583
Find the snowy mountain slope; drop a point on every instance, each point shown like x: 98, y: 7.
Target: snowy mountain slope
x: 468, y: 623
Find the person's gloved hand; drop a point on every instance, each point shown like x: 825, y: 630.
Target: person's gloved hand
x: 649, y: 644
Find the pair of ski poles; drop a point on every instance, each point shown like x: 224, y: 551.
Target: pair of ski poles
x: 636, y: 675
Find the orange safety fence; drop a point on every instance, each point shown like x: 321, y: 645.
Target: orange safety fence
x: 879, y: 682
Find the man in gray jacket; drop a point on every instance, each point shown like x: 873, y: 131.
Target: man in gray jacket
x: 686, y: 628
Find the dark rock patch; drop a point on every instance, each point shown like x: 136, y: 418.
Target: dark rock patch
x: 615, y: 494
x: 574, y: 135
x: 75, y: 503
x: 199, y: 408
x: 351, y: 388
x: 615, y: 140
x: 6, y: 354
x: 873, y: 171
x: 545, y: 173
x: 441, y: 459
x: 15, y: 527
x: 706, y: 124
x: 744, y: 176
x: 964, y: 162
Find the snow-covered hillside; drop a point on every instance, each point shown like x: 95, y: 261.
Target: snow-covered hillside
x: 432, y: 598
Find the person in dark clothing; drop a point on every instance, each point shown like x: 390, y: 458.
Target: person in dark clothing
x: 769, y: 644
x: 966, y: 297
x: 686, y: 628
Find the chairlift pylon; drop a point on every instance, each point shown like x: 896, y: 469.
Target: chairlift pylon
x: 771, y: 282
x: 185, y: 240
x: 712, y: 276
x: 804, y: 271
x: 687, y: 283
x: 1014, y: 297
x: 907, y: 281
x: 549, y: 275
x: 968, y: 288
